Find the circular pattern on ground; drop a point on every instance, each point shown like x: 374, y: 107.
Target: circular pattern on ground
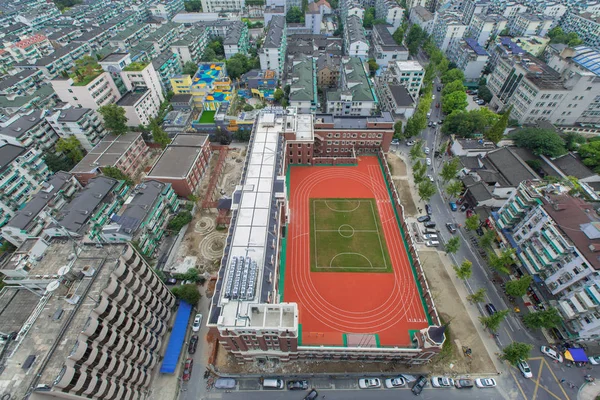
x: 211, y: 247
x: 335, y: 209
x: 346, y: 231
x: 205, y: 225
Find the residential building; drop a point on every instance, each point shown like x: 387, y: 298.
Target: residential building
x: 95, y: 38
x: 143, y: 217
x: 406, y: 73
x: 62, y: 59
x: 355, y: 95
x: 355, y: 40
x: 142, y: 75
x: 485, y: 27
x: 140, y: 107
x: 555, y: 237
x: 535, y: 45
x: 29, y: 48
x: 126, y: 152
x: 22, y: 172
x: 37, y: 213
x: 42, y: 97
x: 390, y: 11
x: 474, y: 7
x: 29, y: 130
x: 303, y: 84
x: 91, y: 91
x: 351, y: 7
x: 22, y: 83
x: 503, y: 47
x: 236, y: 40
x: 182, y: 164
x: 385, y: 48
x: 313, y: 18
x: 448, y: 28
x: 83, y: 123
x: 272, y: 53
x: 551, y: 9
x: 527, y: 24
x: 36, y: 17
x: 328, y: 70
x: 472, y: 148
x: 469, y: 57
x: 313, y: 45
x: 167, y: 65
x: 166, y: 9
x: 395, y: 98
x: 192, y: 48
x: 130, y: 37
x: 219, y: 6
x: 164, y: 36
x: 511, y: 9
x: 585, y: 24
x: 270, y: 11
x: 421, y: 16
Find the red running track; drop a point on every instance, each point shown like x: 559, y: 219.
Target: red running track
x: 333, y: 303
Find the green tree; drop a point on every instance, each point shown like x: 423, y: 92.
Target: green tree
x: 472, y: 222
x: 454, y: 101
x: 398, y: 129
x: 455, y: 188
x: 478, y: 296
x: 71, y: 148
x: 294, y: 16
x: 235, y: 68
x: 496, y: 132
x: 373, y: 66
x: 454, y: 86
x: 414, y: 39
x: 557, y: 35
x: 465, y: 270
x: 419, y: 172
x: 516, y: 351
x: 191, y: 275
x: 503, y: 262
x: 114, y: 118
x: 450, y: 169
x: 180, y: 220
x: 116, y: 173
x: 63, y: 5
x: 484, y: 93
x: 193, y: 6
x: 334, y: 4
x: 452, y: 75
x: 159, y: 136
x: 518, y: 287
x: 540, y: 141
x: 573, y: 140
x: 426, y: 190
x: 398, y: 35
x: 493, y: 321
x: 487, y: 239
x: 190, y: 68
x: 278, y: 95
x: 452, y: 245
x: 590, y: 154
x: 188, y: 293
x: 304, y: 6
x: 468, y: 123
x: 416, y: 151
x: 57, y: 162
x: 369, y: 18
x: 415, y: 124
x: 208, y: 56
x: 217, y: 46
x: 549, y: 318
x: 535, y: 165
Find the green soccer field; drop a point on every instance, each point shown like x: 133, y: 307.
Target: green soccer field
x: 346, y: 236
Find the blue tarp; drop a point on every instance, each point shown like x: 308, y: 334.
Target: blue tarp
x: 537, y: 279
x: 577, y: 355
x: 177, y: 337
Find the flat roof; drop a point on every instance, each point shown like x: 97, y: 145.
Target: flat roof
x: 132, y: 98
x: 175, y: 161
x: 106, y: 153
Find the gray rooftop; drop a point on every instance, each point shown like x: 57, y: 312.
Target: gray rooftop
x: 386, y: 39
x: 138, y: 205
x: 72, y: 114
x: 480, y: 191
x: 58, y: 53
x: 234, y: 33
x: 571, y: 165
x: 355, y: 30
x: 106, y: 153
x: 356, y: 81
x: 132, y: 98
x: 423, y: 13
x: 12, y: 80
x: 274, y: 34
x: 178, y: 158
x: 8, y: 153
x: 23, y: 124
x: 348, y: 122
x: 511, y: 166
x: 303, y: 82
x: 401, y: 95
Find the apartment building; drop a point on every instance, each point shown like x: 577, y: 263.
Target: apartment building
x: 390, y: 11
x: 167, y: 65
x: 469, y: 57
x: 165, y: 35
x: 527, y: 24
x: 385, y: 48
x: 485, y: 27
x: 29, y: 48
x: 355, y: 95
x: 421, y: 16
x: 303, y: 84
x: 448, y: 28
x: 22, y: 172
x: 83, y: 123
x: 62, y: 59
x: 474, y: 7
x: 555, y: 236
x: 37, y: 213
x: 535, y: 45
x: 272, y: 53
x: 39, y: 16
x: 126, y: 152
x: 144, y: 216
x: 104, y: 348
x: 355, y: 40
x: 130, y: 37
x: 91, y: 91
x: 166, y: 9
x: 395, y: 98
x: 503, y: 47
x: 236, y: 40
x: 551, y: 9
x: 29, y: 130
x: 405, y: 73
x: 313, y: 19
x: 511, y: 9
x: 585, y: 24
x: 96, y: 38
x: 192, y: 48
x: 22, y: 83
x: 217, y: 6
x: 328, y: 70
x: 351, y: 7
x: 183, y: 164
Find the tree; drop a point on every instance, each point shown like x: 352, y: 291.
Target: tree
x: 419, y: 172
x: 518, y: 287
x: 114, y: 117
x: 248, y: 107
x: 398, y: 129
x: 278, y: 95
x: 468, y: 123
x: 116, y: 173
x: 590, y: 154
x: 414, y: 125
x: 180, y: 220
x: 464, y: 271
x: 496, y: 132
x: 455, y: 188
x: 454, y: 86
x: 535, y: 165
x: 369, y: 18
x: 304, y: 6
x: 209, y: 55
x: 557, y: 35
x: 416, y: 151
x: 547, y: 319
x: 484, y: 93
x: 191, y: 275
x: 426, y: 190
x: 472, y: 222
x: 188, y: 293
x: 454, y: 101
x: 57, y: 162
x: 515, y: 352
x: 217, y: 46
x: 235, y: 68
x: 450, y: 169
x: 294, y: 16
x: 540, y: 141
x: 452, y: 245
x: 190, y: 68
x: 399, y: 35
x: 373, y: 66
x: 478, y: 296
x: 414, y: 39
x: 452, y: 75
x: 487, y: 239
x: 71, y: 148
x: 573, y: 140
x: 493, y: 321
x: 193, y: 6
x: 63, y: 5
x: 159, y: 136
x: 502, y: 262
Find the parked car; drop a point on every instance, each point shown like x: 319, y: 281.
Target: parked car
x: 392, y: 383
x: 430, y: 124
x: 419, y: 385
x: 485, y: 382
x: 491, y: 309
x: 464, y: 206
x: 435, y: 123
x: 479, y: 231
x: 470, y: 213
x: 429, y: 224
x: 312, y: 395
x: 369, y: 383
x: 430, y: 178
x: 432, y: 243
x: 197, y: 323
x: 550, y: 352
x: 476, y: 99
x: 424, y: 218
x: 395, y: 141
x: 410, y: 143
x: 193, y: 344
x: 436, y: 106
x: 439, y: 88
x: 524, y: 368
x: 451, y: 227
x: 297, y: 385
x: 428, y: 161
x: 469, y: 91
x: 441, y: 382
x: 453, y: 206
x: 428, y: 209
x: 171, y: 281
x: 426, y: 150
x: 430, y: 236
x: 595, y: 360
x: 463, y: 383
x: 480, y: 102
x: 187, y: 369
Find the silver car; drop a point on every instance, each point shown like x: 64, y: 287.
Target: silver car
x: 441, y: 382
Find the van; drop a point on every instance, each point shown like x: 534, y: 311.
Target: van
x: 428, y: 114
x: 273, y: 384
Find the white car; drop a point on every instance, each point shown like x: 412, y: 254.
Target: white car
x: 392, y: 383
x: 524, y: 368
x: 553, y: 354
x: 430, y: 236
x: 428, y: 161
x: 369, y: 383
x: 410, y: 143
x: 595, y: 360
x: 430, y: 178
x: 485, y: 382
x: 197, y: 323
x: 432, y: 243
x: 441, y: 382
x: 427, y: 150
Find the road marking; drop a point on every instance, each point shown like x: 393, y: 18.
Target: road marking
x: 556, y: 379
x: 510, y: 337
x: 537, y: 382
x: 517, y: 382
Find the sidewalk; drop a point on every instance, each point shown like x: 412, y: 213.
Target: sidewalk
x: 589, y: 391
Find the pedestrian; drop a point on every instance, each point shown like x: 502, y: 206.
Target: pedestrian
x: 562, y: 380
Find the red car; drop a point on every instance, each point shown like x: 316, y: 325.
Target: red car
x: 187, y: 369
x: 469, y: 213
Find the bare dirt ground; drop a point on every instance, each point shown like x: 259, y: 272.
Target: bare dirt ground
x: 397, y: 165
x: 399, y: 175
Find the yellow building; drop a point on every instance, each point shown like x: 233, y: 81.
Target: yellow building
x: 181, y: 84
x: 210, y: 86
